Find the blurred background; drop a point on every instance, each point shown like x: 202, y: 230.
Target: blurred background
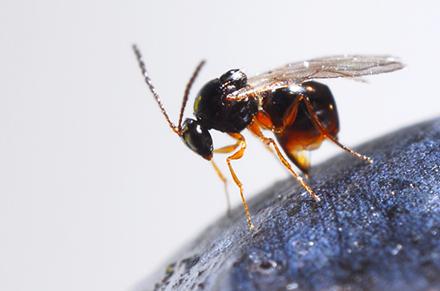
x: 96, y: 192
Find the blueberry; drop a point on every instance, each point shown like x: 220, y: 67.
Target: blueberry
x: 376, y: 228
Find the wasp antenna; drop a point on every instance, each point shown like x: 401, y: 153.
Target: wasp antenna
x: 187, y: 90
x: 153, y: 89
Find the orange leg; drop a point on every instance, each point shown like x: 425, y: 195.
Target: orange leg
x: 269, y: 141
x: 241, y: 145
x: 266, y: 145
x: 225, y: 183
x: 320, y: 127
x: 262, y: 121
x: 227, y: 149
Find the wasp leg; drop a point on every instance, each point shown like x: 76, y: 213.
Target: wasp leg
x: 241, y: 145
x: 227, y: 149
x: 269, y: 141
x: 225, y: 183
x: 265, y: 145
x: 299, y: 158
x: 320, y: 127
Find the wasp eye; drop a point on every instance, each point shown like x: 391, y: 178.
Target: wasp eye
x: 233, y: 80
x: 197, y: 138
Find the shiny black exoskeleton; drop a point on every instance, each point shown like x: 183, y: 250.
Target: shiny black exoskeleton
x: 279, y: 103
x: 292, y: 123
x: 213, y: 111
x: 300, y: 112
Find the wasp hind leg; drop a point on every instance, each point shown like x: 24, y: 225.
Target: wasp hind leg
x: 241, y: 146
x: 269, y: 141
x: 317, y: 123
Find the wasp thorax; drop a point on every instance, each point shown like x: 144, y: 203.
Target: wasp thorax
x: 197, y: 138
x: 213, y: 110
x: 233, y: 80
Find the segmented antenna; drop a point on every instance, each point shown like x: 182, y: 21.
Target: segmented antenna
x: 152, y: 89
x: 176, y: 129
x: 188, y: 89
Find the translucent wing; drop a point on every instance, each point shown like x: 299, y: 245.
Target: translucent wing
x: 340, y: 66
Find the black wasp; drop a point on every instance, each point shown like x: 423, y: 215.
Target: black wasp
x: 299, y: 111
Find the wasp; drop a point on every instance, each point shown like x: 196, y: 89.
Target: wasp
x: 299, y: 111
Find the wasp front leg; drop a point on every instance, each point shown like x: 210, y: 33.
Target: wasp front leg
x: 225, y: 183
x: 240, y: 146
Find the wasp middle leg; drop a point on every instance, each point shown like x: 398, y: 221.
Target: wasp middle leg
x: 254, y: 128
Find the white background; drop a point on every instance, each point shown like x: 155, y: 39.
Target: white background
x: 95, y: 190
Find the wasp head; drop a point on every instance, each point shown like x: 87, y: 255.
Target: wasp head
x: 197, y: 138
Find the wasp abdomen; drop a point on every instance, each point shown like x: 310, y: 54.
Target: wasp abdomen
x: 301, y: 133
x: 292, y: 123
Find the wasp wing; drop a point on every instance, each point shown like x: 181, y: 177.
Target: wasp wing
x: 339, y: 66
